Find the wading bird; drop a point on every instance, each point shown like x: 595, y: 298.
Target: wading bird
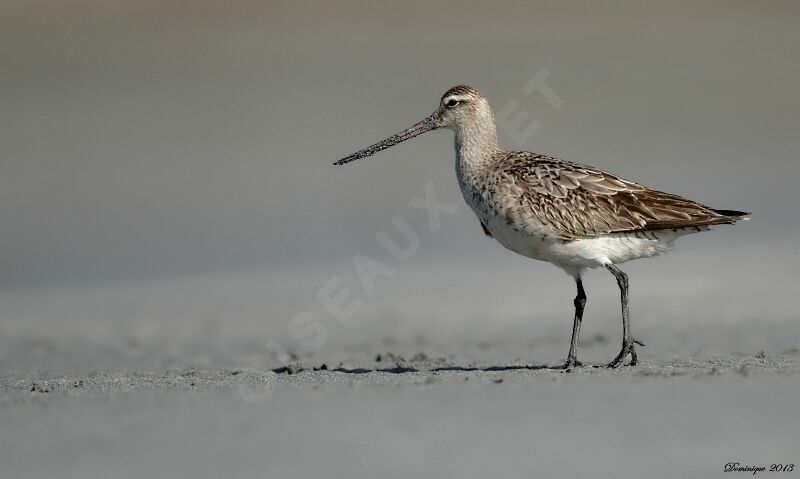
x: 574, y: 216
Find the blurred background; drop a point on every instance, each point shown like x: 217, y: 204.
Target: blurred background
x: 167, y: 194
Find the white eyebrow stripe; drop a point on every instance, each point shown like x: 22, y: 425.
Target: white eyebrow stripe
x: 456, y: 98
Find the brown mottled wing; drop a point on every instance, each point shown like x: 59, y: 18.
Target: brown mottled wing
x: 572, y: 201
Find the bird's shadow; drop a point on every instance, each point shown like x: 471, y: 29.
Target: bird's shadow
x: 406, y: 369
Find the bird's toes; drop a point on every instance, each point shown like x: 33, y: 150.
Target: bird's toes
x: 571, y: 364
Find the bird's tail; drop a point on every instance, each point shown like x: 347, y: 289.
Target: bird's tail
x: 734, y: 215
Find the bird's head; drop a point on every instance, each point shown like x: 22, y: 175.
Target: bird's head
x: 460, y: 108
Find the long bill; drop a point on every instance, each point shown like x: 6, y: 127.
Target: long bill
x: 427, y: 124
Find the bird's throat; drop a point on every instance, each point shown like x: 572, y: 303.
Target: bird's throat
x: 476, y: 142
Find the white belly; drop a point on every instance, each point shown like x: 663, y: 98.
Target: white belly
x: 577, y: 255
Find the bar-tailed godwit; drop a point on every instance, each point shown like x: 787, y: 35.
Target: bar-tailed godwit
x: 572, y: 215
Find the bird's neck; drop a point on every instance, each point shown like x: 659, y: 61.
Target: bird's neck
x: 476, y: 144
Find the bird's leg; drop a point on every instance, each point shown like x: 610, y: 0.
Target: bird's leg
x: 628, y: 343
x: 580, y: 302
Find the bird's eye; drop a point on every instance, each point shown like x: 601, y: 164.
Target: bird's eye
x: 452, y: 103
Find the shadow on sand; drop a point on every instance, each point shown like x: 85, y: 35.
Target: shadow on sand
x: 407, y: 369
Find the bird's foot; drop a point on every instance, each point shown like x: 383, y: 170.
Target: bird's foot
x: 572, y: 363
x: 628, y: 347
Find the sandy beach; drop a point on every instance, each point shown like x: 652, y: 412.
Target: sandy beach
x: 683, y: 418
x: 182, y: 285
x: 448, y: 395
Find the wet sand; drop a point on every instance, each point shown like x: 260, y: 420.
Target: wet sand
x: 404, y: 416
x: 198, y: 378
